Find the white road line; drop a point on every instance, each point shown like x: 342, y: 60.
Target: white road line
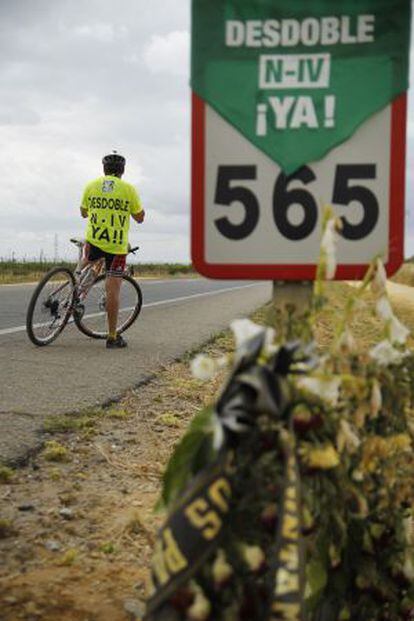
x: 12, y: 330
x: 144, y: 281
x: 5, y: 331
x: 199, y: 295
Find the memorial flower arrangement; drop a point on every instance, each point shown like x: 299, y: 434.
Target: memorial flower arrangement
x: 292, y: 497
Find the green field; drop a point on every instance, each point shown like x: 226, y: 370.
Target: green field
x: 30, y: 271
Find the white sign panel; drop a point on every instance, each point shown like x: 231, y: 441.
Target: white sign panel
x: 251, y: 220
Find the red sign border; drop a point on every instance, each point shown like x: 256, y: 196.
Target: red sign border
x: 306, y: 271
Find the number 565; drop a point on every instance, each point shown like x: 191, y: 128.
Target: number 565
x: 343, y: 194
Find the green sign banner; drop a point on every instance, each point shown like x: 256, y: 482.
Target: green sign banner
x: 298, y: 77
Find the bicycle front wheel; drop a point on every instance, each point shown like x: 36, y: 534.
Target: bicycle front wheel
x: 92, y: 318
x: 50, y: 306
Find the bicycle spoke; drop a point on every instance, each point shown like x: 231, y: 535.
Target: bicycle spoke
x: 93, y: 320
x: 50, y: 306
x: 94, y: 317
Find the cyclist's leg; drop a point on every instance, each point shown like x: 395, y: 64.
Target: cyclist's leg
x: 85, y: 260
x: 113, y: 286
x: 93, y: 257
x: 115, y: 266
x: 91, y: 254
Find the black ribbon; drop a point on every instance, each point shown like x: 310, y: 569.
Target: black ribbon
x: 192, y: 531
x: 288, y: 563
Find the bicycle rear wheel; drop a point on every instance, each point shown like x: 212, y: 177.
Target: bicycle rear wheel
x: 92, y: 321
x: 50, y: 306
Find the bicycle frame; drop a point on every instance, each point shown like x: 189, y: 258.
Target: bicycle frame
x: 83, y: 270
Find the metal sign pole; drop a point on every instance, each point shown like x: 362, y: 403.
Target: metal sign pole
x: 293, y: 293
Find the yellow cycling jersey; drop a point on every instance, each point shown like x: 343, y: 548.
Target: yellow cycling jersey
x: 110, y: 202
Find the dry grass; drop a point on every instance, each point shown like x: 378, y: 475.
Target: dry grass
x: 405, y: 275
x: 365, y: 327
x: 54, y: 451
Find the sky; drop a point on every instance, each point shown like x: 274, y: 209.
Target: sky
x: 80, y: 78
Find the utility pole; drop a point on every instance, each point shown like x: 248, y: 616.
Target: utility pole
x: 56, y: 248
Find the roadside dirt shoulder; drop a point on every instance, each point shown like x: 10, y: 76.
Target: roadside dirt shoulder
x: 77, y: 523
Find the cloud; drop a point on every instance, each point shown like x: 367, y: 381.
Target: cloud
x: 17, y: 114
x: 168, y: 54
x: 105, y: 33
x: 75, y: 85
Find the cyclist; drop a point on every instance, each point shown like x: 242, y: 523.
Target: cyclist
x: 108, y: 202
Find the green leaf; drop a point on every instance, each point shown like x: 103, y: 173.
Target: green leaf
x: 316, y: 576
x: 192, y: 453
x: 316, y: 579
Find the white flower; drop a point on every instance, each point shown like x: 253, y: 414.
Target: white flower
x: 408, y: 568
x: 408, y: 525
x: 273, y: 349
x: 286, y: 582
x: 200, y: 608
x: 376, y: 399
x: 346, y: 342
x: 398, y: 331
x: 385, y: 354
x: 383, y: 307
x: 269, y: 346
x: 203, y: 367
x: 254, y: 557
x: 325, y: 387
x: 347, y: 438
x: 222, y: 362
x: 244, y: 330
x: 328, y: 246
x: 379, y: 281
x: 218, y: 433
x: 221, y: 569
x: 358, y: 476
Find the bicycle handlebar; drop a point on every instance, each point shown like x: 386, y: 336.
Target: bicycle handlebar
x: 77, y: 242
x: 81, y: 242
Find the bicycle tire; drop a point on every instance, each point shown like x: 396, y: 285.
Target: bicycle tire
x: 32, y: 325
x: 88, y: 329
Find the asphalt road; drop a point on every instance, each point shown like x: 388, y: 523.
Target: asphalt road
x: 14, y: 299
x: 76, y: 372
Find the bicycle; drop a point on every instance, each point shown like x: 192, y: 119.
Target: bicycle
x: 81, y: 293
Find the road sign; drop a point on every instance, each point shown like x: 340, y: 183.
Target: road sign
x: 251, y: 220
x: 297, y: 106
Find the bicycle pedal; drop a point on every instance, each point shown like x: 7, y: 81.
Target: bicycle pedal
x: 79, y: 311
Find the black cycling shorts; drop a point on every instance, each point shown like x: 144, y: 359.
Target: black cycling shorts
x: 114, y: 263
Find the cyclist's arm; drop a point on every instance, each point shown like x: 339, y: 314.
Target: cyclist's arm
x: 85, y: 202
x: 136, y: 210
x: 139, y: 217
